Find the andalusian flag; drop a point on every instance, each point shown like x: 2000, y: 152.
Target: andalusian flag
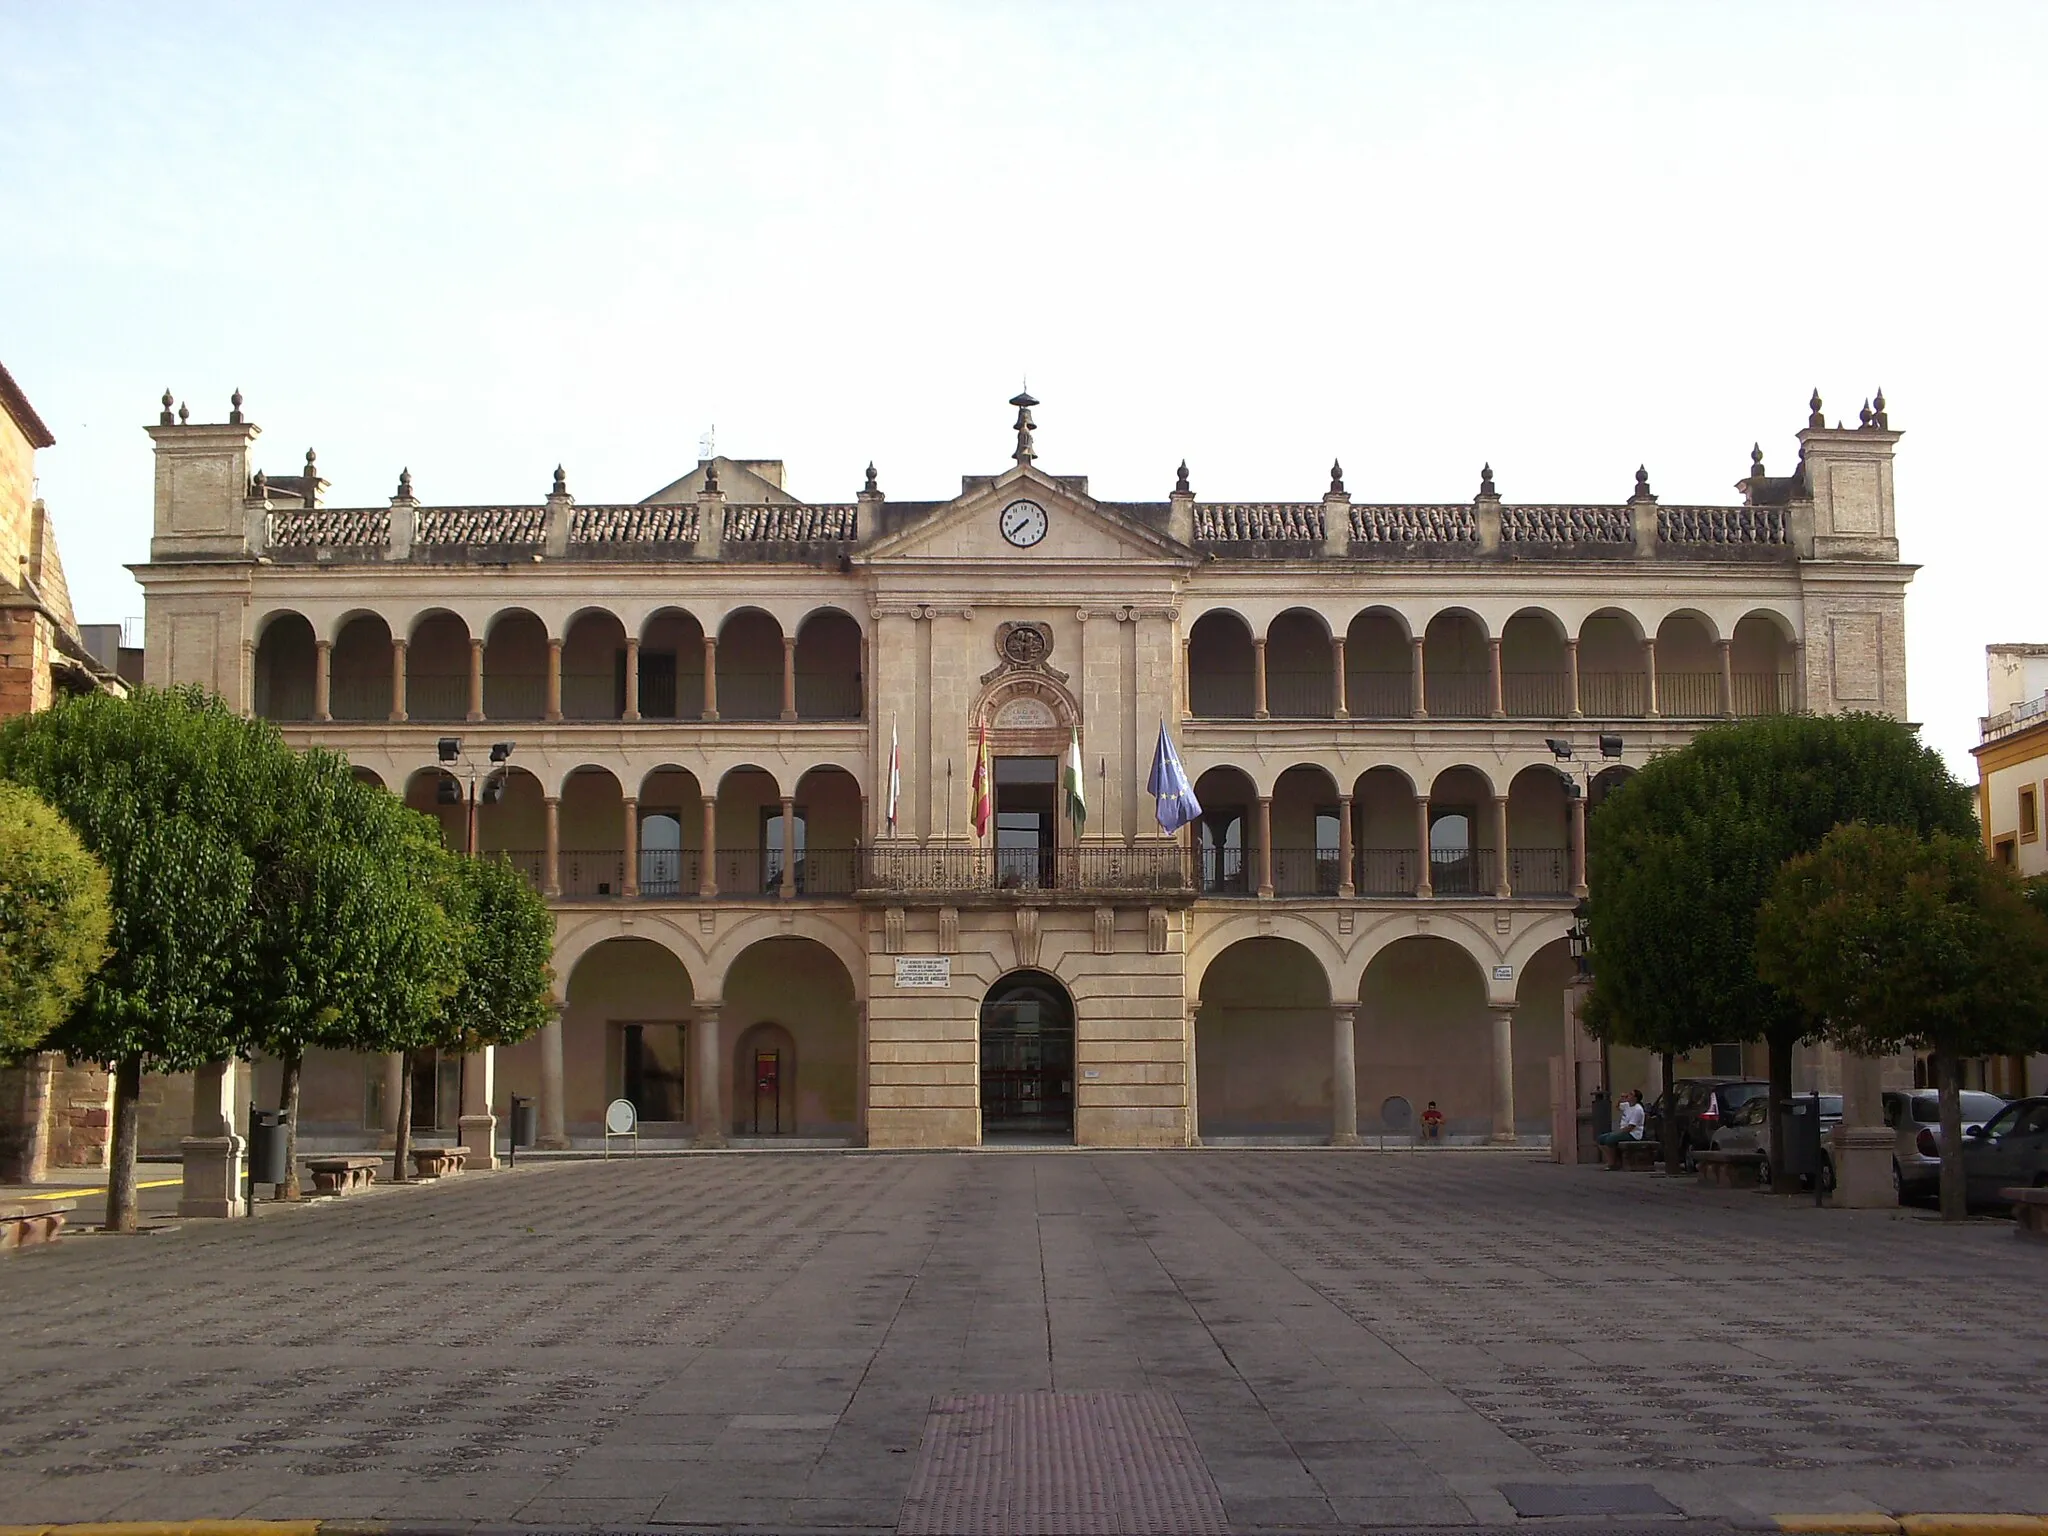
x: 1074, y: 780
x: 983, y: 787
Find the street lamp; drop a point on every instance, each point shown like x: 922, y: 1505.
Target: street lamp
x: 1581, y: 941
x: 449, y: 750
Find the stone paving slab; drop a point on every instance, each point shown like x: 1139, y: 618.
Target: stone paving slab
x: 757, y: 1342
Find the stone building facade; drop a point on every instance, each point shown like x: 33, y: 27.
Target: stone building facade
x: 702, y: 691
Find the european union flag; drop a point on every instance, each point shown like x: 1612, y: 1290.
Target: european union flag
x: 1170, y: 787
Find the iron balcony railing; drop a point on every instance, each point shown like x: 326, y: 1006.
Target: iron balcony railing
x: 1105, y: 869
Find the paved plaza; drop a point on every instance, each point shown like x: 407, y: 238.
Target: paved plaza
x: 1236, y: 1339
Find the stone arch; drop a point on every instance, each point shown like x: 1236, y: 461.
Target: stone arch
x: 1425, y: 1033
x: 359, y: 667
x: 1457, y: 669
x: 1539, y: 832
x: 1262, y: 1041
x: 286, y: 663
x: 1379, y: 667
x: 1220, y: 666
x: 671, y: 665
x: 1464, y: 842
x: 437, y: 662
x: 1226, y: 837
x: 791, y: 991
x: 1028, y: 714
x: 1613, y: 676
x: 831, y: 677
x: 750, y: 665
x: 1300, y: 666
x: 593, y: 665
x: 1535, y: 667
x: 516, y: 651
x: 1763, y: 658
x: 578, y: 933
x: 628, y: 1007
x: 1688, y: 665
x: 1307, y: 836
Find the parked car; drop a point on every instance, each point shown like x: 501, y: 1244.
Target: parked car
x: 1748, y: 1129
x: 1914, y: 1119
x: 1702, y: 1105
x: 2008, y: 1151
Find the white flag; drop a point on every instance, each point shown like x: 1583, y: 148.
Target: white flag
x: 895, y: 772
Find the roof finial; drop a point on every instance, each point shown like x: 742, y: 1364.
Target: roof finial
x: 1756, y: 461
x: 873, y: 488
x: 1025, y: 426
x: 165, y: 418
x: 1863, y: 416
x: 561, y: 483
x: 1643, y: 484
x: 1336, y: 478
x: 1878, y: 416
x: 235, y: 407
x: 1813, y: 415
x: 1486, y: 481
x: 184, y: 414
x: 405, y: 485
x: 711, y: 474
x: 259, y: 488
x: 1180, y: 480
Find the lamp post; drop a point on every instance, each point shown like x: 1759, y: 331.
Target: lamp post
x: 492, y: 788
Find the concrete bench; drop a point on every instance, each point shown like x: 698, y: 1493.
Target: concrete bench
x: 1630, y: 1156
x: 31, y: 1223
x: 439, y: 1162
x: 343, y: 1175
x: 2029, y: 1212
x: 1728, y: 1170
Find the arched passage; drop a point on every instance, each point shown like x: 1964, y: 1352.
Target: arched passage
x: 1424, y: 1034
x: 1220, y: 668
x: 1379, y: 667
x: 360, y: 686
x: 437, y: 668
x: 1457, y: 668
x: 795, y: 1030
x: 750, y: 667
x: 1535, y: 670
x: 1613, y: 680
x: 516, y: 667
x: 1389, y: 852
x: 1539, y: 833
x: 1539, y: 1026
x: 1300, y: 667
x: 825, y: 831
x: 1307, y: 837
x: 1027, y: 1058
x: 1464, y: 840
x: 1262, y: 1043
x: 1761, y: 658
x: 828, y: 667
x: 625, y: 1034
x: 1688, y: 668
x: 672, y: 666
x: 1226, y: 836
x: 284, y: 669
x: 594, y: 668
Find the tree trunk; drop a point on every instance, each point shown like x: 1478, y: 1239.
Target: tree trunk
x: 288, y: 1108
x: 1780, y: 1042
x: 1955, y: 1193
x: 121, y: 1215
x: 401, y: 1134
x: 1670, y: 1126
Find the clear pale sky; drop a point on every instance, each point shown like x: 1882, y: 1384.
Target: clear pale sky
x: 478, y: 240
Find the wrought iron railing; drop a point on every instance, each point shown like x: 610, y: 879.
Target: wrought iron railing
x: 1540, y: 871
x: 1379, y: 695
x: 1536, y: 695
x: 1387, y: 871
x: 1307, y: 871
x: 1693, y: 694
x: 1301, y: 695
x: 1613, y: 695
x: 1471, y: 872
x: 1458, y: 695
x: 1764, y: 693
x: 1104, y: 869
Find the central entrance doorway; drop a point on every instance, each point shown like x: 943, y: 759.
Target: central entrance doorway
x: 1027, y: 1058
x: 1025, y: 821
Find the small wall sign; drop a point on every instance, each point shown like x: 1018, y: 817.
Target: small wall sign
x: 1500, y: 972
x: 924, y: 970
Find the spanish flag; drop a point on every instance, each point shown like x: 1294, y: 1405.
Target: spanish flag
x: 983, y: 786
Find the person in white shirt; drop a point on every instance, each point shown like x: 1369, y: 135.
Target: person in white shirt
x: 1633, y: 1119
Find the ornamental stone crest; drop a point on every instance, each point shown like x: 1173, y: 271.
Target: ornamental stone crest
x: 1022, y: 646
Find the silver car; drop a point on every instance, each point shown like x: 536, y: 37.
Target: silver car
x: 1914, y: 1119
x: 1748, y: 1129
x: 2009, y: 1151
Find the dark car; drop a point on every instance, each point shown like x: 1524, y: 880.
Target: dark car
x: 2008, y: 1151
x: 1703, y: 1105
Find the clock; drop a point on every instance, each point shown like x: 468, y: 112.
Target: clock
x: 1023, y: 523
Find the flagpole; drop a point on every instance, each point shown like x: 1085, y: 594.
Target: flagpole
x: 949, y: 800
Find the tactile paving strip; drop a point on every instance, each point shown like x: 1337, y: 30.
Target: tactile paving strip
x: 1060, y: 1464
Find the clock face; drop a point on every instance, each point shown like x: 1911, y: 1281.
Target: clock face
x: 1023, y: 523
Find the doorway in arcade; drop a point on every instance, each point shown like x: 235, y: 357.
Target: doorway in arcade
x: 1027, y: 1059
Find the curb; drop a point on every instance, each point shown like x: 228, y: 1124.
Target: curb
x: 1872, y: 1523
x: 199, y: 1528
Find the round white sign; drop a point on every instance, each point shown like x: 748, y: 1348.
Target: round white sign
x: 619, y: 1117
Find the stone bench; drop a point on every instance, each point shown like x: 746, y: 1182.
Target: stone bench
x: 1630, y: 1156
x: 343, y: 1175
x: 2029, y: 1212
x: 32, y: 1223
x: 439, y: 1162
x: 1728, y: 1170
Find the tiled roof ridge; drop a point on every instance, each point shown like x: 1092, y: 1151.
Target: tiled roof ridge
x: 1245, y: 522
x: 636, y: 522
x: 1723, y: 525
x: 791, y: 522
x: 331, y: 528
x: 1566, y: 523
x: 481, y: 525
x: 1421, y: 523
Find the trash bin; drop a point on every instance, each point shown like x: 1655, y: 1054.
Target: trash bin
x: 266, y: 1146
x: 1801, y: 1156
x: 525, y: 1122
x: 1603, y: 1112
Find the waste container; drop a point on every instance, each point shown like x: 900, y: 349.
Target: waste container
x: 266, y: 1146
x: 525, y: 1122
x: 1801, y: 1156
x: 1603, y: 1112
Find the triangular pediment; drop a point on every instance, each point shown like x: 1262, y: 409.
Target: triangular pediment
x: 1077, y: 529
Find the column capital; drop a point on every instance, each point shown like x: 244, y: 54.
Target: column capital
x: 547, y: 799
x: 1345, y: 1010
x: 706, y: 1007
x: 323, y: 645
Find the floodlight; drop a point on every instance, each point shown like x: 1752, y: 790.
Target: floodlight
x: 500, y: 750
x: 1610, y: 746
x: 451, y: 748
x: 1559, y: 748
x: 449, y: 792
x: 494, y: 789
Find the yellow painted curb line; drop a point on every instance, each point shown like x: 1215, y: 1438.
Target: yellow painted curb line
x: 80, y: 1194
x: 176, y: 1528
x: 1868, y: 1523
x: 1872, y: 1523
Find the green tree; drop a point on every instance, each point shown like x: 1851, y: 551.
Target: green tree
x: 505, y: 938
x: 1890, y: 940
x: 54, y: 919
x: 1683, y: 855
x: 353, y: 948
x: 172, y: 792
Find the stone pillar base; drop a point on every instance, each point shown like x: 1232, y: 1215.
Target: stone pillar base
x: 479, y: 1133
x: 552, y: 1144
x: 1505, y: 1139
x: 1863, y: 1167
x: 213, y: 1176
x: 1345, y: 1139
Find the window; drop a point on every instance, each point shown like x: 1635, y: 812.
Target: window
x: 1727, y: 1061
x: 2030, y: 825
x: 1451, y: 865
x: 1223, y: 848
x: 2006, y: 850
x: 771, y: 849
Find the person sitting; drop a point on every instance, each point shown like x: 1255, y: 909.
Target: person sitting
x: 1633, y: 1118
x: 1432, y: 1123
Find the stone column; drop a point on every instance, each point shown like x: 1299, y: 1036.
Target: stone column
x: 245, y: 682
x: 398, y: 715
x: 1503, y: 1073
x: 1502, y: 886
x: 789, y: 677
x: 1496, y: 690
x: 1571, y: 663
x: 1799, y: 676
x: 707, y: 1061
x: 707, y: 868
x: 476, y: 680
x: 554, y: 700
x: 1265, y: 845
x: 632, y: 709
x: 1727, y: 649
x: 710, y: 677
x: 788, y: 889
x: 213, y: 1152
x: 553, y: 1130
x: 1337, y: 662
x: 1418, y: 693
x: 323, y: 680
x: 478, y: 1125
x: 1194, y: 1011
x: 1860, y: 1145
x: 1650, y: 675
x: 394, y: 1090
x: 1343, y: 1076
x: 1578, y: 836
x: 1187, y: 679
x: 551, y: 855
x: 630, y: 885
x: 1423, y: 887
x: 1259, y: 710
x: 25, y: 1118
x: 1347, y: 856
